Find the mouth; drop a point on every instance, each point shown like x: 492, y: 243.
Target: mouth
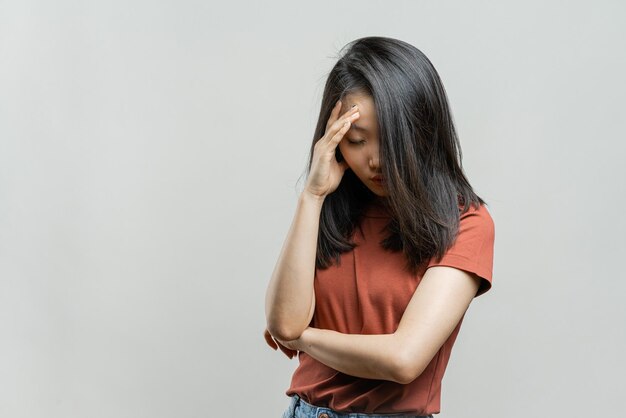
x: 378, y: 179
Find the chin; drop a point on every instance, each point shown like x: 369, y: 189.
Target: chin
x: 379, y: 193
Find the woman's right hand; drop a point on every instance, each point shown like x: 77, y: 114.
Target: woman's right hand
x: 326, y: 172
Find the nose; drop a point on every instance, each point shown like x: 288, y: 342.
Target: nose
x: 374, y: 162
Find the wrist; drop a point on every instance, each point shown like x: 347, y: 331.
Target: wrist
x: 304, y: 341
x: 312, y: 197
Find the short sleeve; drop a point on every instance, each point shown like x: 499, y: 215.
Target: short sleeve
x: 472, y: 250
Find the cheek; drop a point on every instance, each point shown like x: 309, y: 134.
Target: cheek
x: 350, y: 157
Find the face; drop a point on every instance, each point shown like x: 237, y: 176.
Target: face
x: 360, y: 144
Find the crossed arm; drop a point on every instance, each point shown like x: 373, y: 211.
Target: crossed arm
x: 435, y: 309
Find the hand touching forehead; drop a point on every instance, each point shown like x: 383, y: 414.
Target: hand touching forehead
x: 367, y: 124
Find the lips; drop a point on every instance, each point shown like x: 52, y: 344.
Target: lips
x: 378, y: 179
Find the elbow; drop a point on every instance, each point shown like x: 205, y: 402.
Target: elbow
x: 404, y: 369
x: 283, y: 332
x: 404, y: 377
x: 286, y: 326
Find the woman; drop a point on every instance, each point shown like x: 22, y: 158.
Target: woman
x: 388, y: 247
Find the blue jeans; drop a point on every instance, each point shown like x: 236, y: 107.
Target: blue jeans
x: 298, y: 408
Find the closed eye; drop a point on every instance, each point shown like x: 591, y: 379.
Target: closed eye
x: 356, y: 142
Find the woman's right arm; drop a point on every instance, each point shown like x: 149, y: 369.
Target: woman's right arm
x: 290, y: 297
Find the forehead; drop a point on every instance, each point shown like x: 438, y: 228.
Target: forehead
x: 367, y: 121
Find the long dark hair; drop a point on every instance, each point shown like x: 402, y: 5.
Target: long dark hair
x: 420, y: 154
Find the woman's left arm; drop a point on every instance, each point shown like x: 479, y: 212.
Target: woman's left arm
x: 435, y: 309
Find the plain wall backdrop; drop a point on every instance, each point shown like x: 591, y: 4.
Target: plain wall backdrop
x: 152, y: 152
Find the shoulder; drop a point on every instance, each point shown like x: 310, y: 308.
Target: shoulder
x: 473, y: 247
x: 477, y: 218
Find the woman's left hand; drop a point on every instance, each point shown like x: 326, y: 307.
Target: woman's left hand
x: 275, y: 343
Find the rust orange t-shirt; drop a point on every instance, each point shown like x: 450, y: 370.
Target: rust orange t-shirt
x: 367, y: 294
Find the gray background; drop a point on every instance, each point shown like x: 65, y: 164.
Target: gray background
x: 151, y: 155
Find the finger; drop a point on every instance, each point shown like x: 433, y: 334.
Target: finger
x: 349, y: 115
x: 336, y: 139
x: 334, y: 114
x: 288, y: 352
x: 270, y: 341
x: 340, y: 128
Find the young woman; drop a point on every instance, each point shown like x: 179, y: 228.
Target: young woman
x: 388, y: 246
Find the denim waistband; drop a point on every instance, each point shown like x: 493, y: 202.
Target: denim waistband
x: 298, y: 408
